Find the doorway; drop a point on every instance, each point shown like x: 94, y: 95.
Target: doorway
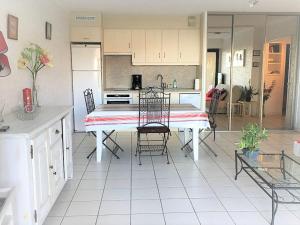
x: 276, y: 69
x: 212, y: 67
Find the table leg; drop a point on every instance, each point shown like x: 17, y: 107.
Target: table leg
x: 99, y: 145
x: 196, y: 143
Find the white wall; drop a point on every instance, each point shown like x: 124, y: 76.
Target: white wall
x: 54, y: 83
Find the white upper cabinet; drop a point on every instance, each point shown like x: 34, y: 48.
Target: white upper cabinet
x: 153, y: 46
x: 117, y: 42
x: 138, y: 42
x: 85, y: 34
x: 189, y: 47
x: 170, y: 46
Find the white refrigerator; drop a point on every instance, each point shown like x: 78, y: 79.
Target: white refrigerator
x: 86, y: 72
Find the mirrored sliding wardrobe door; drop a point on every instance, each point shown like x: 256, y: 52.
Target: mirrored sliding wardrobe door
x: 279, y: 69
x: 218, y: 74
x: 246, y: 76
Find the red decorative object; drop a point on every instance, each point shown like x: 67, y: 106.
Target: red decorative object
x: 27, y: 100
x: 3, y: 45
x: 4, y: 64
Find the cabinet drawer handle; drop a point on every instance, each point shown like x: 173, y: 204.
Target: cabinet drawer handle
x: 129, y: 45
x: 134, y: 55
x: 164, y: 55
x: 159, y: 55
x: 51, y: 167
x: 54, y: 173
x: 57, y: 131
x: 180, y: 55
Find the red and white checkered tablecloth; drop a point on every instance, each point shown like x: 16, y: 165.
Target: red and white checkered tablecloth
x: 128, y: 116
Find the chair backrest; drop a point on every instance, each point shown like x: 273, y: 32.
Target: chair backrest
x: 154, y: 107
x: 214, y: 105
x: 89, y: 100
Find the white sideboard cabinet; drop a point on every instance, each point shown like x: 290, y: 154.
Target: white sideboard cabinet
x: 36, y: 160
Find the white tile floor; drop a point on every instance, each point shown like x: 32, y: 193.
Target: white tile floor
x: 120, y: 192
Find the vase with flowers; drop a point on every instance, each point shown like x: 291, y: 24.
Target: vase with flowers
x: 34, y: 58
x: 267, y: 94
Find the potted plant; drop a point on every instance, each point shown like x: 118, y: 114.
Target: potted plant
x: 267, y: 94
x: 248, y: 93
x: 252, y: 135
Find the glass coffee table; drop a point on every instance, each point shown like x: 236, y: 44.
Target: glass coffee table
x: 278, y: 175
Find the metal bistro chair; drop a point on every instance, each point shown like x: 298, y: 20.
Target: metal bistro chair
x: 90, y: 107
x: 154, y: 117
x: 212, y: 122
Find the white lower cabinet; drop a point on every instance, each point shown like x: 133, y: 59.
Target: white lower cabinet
x: 37, y: 159
x: 41, y: 175
x: 56, y: 167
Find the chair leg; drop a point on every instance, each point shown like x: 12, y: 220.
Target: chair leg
x: 202, y: 140
x: 112, y: 151
x: 138, y: 148
x: 94, y: 150
x: 214, y: 134
x: 166, y: 138
x: 140, y: 162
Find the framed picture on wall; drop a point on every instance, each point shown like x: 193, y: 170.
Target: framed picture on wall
x: 255, y: 64
x: 12, y: 27
x: 239, y: 58
x: 227, y: 59
x: 256, y: 52
x: 48, y: 31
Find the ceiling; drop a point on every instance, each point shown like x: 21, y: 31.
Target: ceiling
x: 178, y: 7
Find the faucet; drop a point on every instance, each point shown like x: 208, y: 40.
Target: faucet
x: 161, y: 79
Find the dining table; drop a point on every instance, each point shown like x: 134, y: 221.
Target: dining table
x: 125, y: 117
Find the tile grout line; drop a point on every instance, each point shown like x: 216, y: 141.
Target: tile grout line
x: 78, y: 183
x: 160, y: 200
x: 185, y: 190
x: 131, y: 145
x: 234, y: 183
x: 101, y: 199
x: 208, y: 183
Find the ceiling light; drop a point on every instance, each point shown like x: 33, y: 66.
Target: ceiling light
x: 252, y: 3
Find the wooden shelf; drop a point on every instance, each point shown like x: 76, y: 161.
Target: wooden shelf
x: 274, y: 63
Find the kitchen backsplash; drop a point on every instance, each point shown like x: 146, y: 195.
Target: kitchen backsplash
x: 118, y: 71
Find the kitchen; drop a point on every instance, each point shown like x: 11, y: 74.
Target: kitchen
x: 134, y: 52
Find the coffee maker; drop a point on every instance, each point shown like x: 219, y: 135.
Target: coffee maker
x: 136, y: 81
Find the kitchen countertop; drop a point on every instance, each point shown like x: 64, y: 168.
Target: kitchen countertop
x: 185, y: 90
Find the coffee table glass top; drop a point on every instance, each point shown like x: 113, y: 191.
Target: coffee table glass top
x: 277, y: 170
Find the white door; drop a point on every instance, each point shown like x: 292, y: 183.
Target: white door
x: 83, y: 80
x: 170, y: 46
x: 138, y: 38
x: 67, y: 141
x: 86, y: 57
x: 41, y: 176
x: 189, y: 47
x: 117, y: 41
x: 57, y: 167
x: 153, y: 46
